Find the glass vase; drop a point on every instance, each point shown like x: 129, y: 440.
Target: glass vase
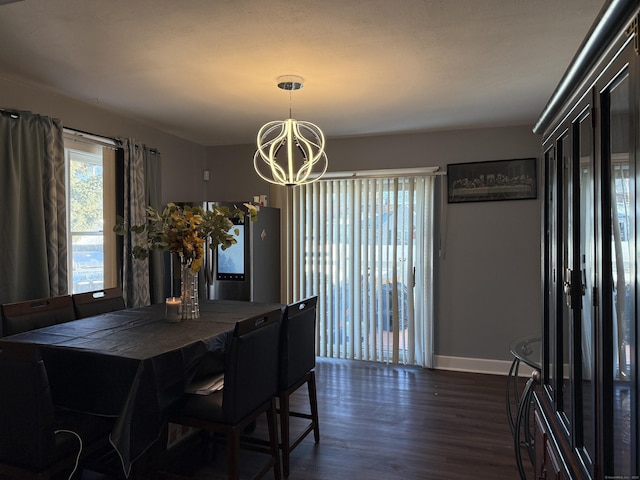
x: 189, y: 292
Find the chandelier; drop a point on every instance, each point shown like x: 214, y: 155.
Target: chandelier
x: 299, y: 144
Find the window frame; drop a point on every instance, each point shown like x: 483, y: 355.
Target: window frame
x: 77, y: 144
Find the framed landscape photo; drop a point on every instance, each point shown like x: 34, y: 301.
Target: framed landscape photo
x: 493, y: 180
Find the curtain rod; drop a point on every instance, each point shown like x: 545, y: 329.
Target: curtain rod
x: 92, y: 137
x: 83, y: 135
x: 391, y: 172
x: 105, y: 141
x: 13, y: 113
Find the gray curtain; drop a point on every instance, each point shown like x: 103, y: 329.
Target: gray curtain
x: 32, y: 195
x: 141, y: 279
x: 153, y: 189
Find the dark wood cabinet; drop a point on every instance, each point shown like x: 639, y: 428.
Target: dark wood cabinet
x: 586, y: 409
x: 548, y: 464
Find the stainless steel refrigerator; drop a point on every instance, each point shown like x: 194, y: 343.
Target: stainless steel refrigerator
x: 248, y: 270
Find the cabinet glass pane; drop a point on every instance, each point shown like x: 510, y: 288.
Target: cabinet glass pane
x: 551, y: 260
x: 566, y: 264
x: 587, y: 274
x: 623, y: 258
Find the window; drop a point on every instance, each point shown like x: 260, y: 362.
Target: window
x: 90, y: 187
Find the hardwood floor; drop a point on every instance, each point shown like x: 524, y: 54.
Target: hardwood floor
x: 380, y: 422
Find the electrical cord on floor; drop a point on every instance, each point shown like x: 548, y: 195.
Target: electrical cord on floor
x: 75, y: 467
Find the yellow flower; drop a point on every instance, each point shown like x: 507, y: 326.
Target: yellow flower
x: 196, y: 264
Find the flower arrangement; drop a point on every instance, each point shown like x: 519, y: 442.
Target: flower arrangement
x: 184, y: 230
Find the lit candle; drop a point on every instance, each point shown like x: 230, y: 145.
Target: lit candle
x: 173, y: 305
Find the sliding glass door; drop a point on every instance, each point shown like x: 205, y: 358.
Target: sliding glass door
x: 364, y: 246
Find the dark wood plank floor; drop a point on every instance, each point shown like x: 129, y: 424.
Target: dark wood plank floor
x: 380, y: 422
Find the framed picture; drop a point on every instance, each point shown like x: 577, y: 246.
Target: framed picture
x: 490, y: 181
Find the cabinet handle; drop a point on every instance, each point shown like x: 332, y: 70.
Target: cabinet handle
x: 567, y: 287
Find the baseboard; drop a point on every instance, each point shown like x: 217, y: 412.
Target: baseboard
x: 478, y: 365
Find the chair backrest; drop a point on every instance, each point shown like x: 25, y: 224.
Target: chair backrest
x: 251, y: 370
x: 27, y: 414
x: 297, y: 341
x: 24, y: 316
x: 97, y: 302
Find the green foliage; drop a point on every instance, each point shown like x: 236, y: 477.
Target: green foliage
x: 184, y: 230
x: 86, y: 198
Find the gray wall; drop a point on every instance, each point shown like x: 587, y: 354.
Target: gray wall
x: 488, y: 282
x: 182, y: 161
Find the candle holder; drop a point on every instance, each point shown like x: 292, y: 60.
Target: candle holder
x: 173, y: 307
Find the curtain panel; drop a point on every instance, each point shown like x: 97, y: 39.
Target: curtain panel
x: 32, y: 193
x: 142, y: 280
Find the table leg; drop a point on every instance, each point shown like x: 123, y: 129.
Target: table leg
x: 512, y: 392
x: 522, y: 418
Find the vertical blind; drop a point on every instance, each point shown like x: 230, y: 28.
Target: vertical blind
x: 365, y: 247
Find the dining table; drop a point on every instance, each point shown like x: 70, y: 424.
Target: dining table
x: 133, y: 364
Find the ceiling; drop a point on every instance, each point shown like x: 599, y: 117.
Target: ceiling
x: 206, y: 70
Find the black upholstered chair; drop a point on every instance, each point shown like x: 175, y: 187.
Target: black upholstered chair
x: 250, y: 388
x: 31, y: 314
x: 297, y: 364
x: 93, y: 303
x: 39, y: 441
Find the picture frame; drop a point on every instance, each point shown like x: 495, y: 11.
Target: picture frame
x: 492, y: 180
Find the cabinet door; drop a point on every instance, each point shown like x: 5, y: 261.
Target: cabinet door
x: 569, y: 350
x: 551, y: 281
x: 567, y: 272
x: 559, y: 217
x: 583, y: 286
x: 619, y: 255
x: 560, y: 231
x: 579, y: 385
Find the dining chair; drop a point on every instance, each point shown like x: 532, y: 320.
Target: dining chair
x: 296, y: 368
x: 21, y: 317
x: 38, y: 441
x: 250, y: 384
x: 88, y: 304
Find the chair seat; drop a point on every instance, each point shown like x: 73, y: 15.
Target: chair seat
x: 205, y: 407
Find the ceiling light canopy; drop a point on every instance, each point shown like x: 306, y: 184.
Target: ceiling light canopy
x: 300, y: 146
